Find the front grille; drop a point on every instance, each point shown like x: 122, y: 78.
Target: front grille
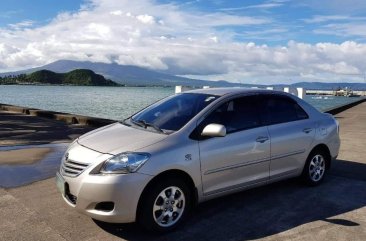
x: 73, y: 168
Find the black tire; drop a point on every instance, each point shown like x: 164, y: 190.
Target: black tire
x: 313, y: 174
x: 152, y: 196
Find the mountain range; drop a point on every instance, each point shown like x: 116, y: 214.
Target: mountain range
x: 138, y: 76
x: 123, y: 74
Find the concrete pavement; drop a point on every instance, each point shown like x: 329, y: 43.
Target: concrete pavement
x: 287, y: 210
x: 31, y: 146
x: 21, y: 129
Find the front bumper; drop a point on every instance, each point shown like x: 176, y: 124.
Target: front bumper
x: 123, y: 190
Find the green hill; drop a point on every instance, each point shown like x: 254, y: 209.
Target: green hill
x: 44, y: 76
x: 85, y: 77
x: 75, y: 77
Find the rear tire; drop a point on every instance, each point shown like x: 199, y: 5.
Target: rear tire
x: 315, y: 168
x: 164, y: 205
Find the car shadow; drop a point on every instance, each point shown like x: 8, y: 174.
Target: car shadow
x: 267, y: 210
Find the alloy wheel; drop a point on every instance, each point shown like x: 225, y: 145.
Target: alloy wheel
x: 317, y: 168
x: 169, y: 206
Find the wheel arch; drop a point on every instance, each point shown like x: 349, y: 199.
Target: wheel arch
x: 173, y: 173
x: 324, y: 148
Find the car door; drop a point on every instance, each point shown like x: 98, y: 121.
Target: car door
x: 241, y: 157
x: 291, y: 132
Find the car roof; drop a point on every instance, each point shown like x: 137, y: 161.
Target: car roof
x: 234, y: 90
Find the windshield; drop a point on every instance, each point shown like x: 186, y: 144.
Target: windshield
x: 172, y: 113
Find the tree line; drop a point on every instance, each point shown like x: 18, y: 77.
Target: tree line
x: 13, y: 79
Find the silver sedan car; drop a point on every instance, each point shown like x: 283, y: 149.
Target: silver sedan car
x: 191, y: 147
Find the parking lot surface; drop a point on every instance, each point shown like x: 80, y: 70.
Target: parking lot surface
x: 288, y: 210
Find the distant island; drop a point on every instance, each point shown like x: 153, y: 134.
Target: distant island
x: 82, y: 77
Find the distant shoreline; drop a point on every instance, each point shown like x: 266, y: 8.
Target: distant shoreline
x: 157, y: 86
x: 118, y: 85
x: 48, y: 84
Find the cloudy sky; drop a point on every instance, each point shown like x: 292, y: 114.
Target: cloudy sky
x: 268, y: 41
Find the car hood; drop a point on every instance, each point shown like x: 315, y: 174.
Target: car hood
x: 117, y: 138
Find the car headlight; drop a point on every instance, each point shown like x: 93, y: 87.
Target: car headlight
x: 124, y: 163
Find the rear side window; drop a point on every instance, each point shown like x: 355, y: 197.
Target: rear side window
x: 236, y: 115
x: 278, y: 109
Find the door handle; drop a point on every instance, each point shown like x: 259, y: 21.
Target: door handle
x: 262, y: 139
x: 307, y: 130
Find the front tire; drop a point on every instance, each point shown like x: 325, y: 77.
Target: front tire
x: 164, y: 205
x: 315, y: 168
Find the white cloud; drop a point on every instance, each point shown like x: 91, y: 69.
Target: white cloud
x: 214, y: 39
x: 167, y: 38
x: 326, y: 18
x: 264, y: 6
x: 146, y: 19
x: 20, y: 25
x: 343, y: 29
x: 335, y: 6
x: 117, y: 12
x: 9, y: 14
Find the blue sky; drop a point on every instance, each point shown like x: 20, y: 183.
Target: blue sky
x: 257, y: 41
x: 39, y: 11
x: 299, y: 20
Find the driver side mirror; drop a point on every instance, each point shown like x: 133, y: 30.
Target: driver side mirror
x: 214, y: 130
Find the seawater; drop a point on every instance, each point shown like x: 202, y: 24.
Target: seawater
x: 107, y: 102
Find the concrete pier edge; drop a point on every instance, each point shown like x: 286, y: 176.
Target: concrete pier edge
x: 61, y: 116
x: 340, y: 108
x: 98, y: 122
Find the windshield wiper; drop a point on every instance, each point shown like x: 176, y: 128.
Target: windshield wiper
x: 138, y: 123
x: 145, y: 124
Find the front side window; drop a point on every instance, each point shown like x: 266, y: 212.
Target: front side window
x: 236, y: 115
x: 174, y: 112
